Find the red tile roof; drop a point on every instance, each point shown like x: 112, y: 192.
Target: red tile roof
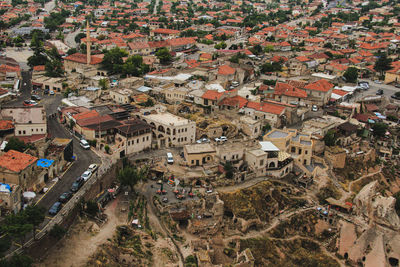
x: 321, y: 85
x: 236, y: 101
x: 81, y: 58
x: 39, y: 68
x: 226, y: 70
x: 165, y: 31
x: 288, y: 90
x: 16, y: 161
x: 266, y: 107
x: 6, y: 125
x: 212, y: 95
x: 85, y: 115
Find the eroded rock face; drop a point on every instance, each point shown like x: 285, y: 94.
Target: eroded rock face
x: 376, y: 207
x: 384, y: 211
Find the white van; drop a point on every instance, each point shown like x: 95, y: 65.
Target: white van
x: 84, y: 144
x: 170, y: 158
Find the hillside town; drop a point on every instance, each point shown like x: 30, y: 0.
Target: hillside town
x: 199, y: 133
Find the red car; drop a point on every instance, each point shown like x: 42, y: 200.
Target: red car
x: 30, y: 103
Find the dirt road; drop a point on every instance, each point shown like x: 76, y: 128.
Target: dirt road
x: 80, y: 244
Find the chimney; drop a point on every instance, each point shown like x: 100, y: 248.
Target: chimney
x: 88, y: 43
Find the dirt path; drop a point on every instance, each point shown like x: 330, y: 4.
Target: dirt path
x: 80, y: 244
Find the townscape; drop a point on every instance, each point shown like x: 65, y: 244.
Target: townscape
x: 199, y: 133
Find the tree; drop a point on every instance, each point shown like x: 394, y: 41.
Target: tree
x: 17, y: 261
x: 380, y: 129
x: 328, y: 45
x: 351, y: 75
x: 57, y: 232
x: 103, y: 83
x: 164, y: 55
x: 72, y: 51
x: 54, y: 68
x: 78, y: 37
x: 35, y: 216
x: 92, y: 208
x: 383, y: 64
x: 112, y: 60
x: 228, y: 167
x: 130, y: 176
x: 267, y: 127
x: 330, y: 138
x: 15, y: 144
x: 268, y: 49
x: 16, y: 226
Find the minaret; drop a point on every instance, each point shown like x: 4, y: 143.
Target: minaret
x: 88, y: 43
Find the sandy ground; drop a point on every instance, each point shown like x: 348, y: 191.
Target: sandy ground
x: 20, y: 56
x: 81, y: 244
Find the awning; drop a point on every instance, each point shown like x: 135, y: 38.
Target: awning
x: 45, y: 163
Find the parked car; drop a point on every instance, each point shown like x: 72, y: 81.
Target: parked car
x: 86, y: 175
x: 36, y: 97
x: 363, y: 85
x: 221, y: 139
x: 83, y: 143
x: 170, y: 158
x: 77, y: 184
x: 93, y: 167
x: 46, y: 91
x: 379, y: 92
x: 378, y: 82
x: 203, y: 140
x: 30, y: 103
x: 397, y: 85
x: 65, y: 197
x: 314, y: 108
x: 165, y: 200
x: 51, y: 92
x: 396, y: 96
x: 55, y: 208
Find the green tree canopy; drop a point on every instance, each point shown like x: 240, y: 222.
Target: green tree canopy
x: 383, y: 63
x: 113, y: 60
x: 330, y: 138
x: 380, y: 129
x: 351, y: 75
x: 130, y: 176
x: 164, y: 55
x: 15, y: 144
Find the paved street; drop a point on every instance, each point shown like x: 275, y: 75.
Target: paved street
x: 84, y: 157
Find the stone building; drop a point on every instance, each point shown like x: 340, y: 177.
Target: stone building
x: 336, y: 156
x: 170, y: 130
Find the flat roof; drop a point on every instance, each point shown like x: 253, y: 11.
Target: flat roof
x: 199, y: 148
x: 323, y: 75
x: 268, y: 146
x: 257, y: 152
x: 277, y: 134
x: 167, y: 119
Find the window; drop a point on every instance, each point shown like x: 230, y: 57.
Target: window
x: 19, y: 132
x: 42, y: 129
x: 137, y: 141
x: 261, y: 162
x: 24, y: 132
x: 299, y: 151
x: 147, y: 138
x: 224, y: 157
x: 192, y: 161
x: 293, y: 149
x: 306, y: 152
x: 144, y: 139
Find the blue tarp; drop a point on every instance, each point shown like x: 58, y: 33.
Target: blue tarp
x: 45, y: 163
